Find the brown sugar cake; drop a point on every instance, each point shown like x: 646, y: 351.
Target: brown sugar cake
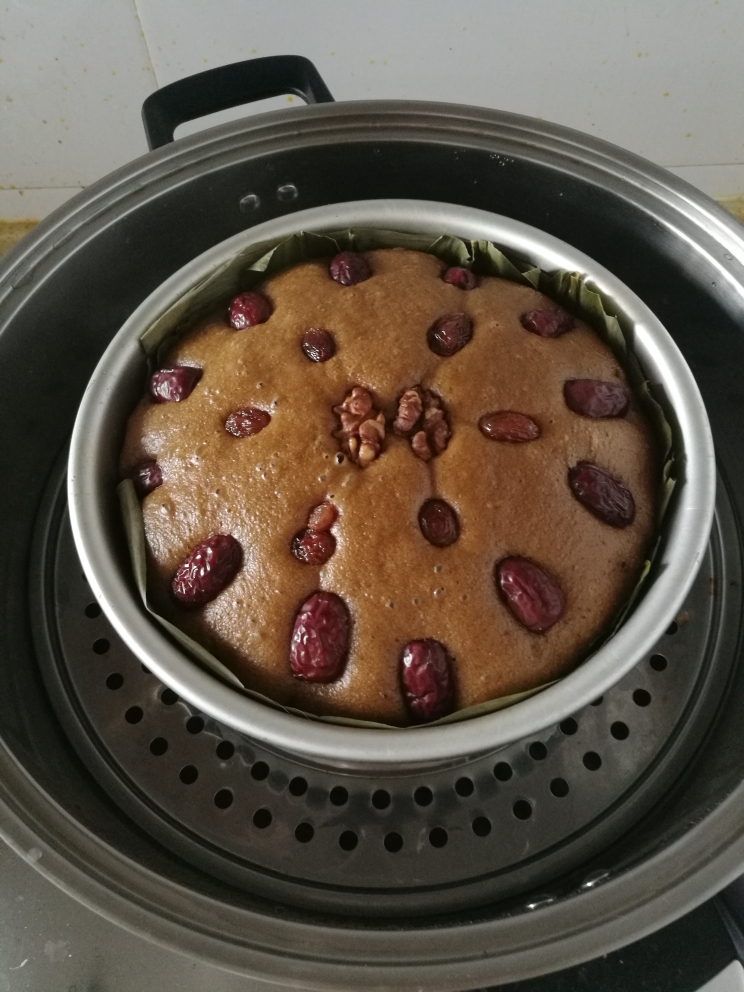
x: 384, y: 489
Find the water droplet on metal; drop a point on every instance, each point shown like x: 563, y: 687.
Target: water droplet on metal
x: 250, y: 203
x: 287, y: 193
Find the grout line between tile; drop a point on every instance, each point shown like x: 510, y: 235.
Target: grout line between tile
x: 20, y: 189
x: 147, y: 46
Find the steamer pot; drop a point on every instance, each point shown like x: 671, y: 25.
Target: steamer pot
x: 501, y: 873
x: 93, y: 512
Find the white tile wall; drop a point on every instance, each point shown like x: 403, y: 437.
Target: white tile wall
x: 662, y: 78
x: 73, y: 75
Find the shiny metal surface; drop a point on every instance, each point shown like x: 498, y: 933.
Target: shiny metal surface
x: 49, y: 942
x: 120, y: 374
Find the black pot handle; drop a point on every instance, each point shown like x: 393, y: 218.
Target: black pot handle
x: 229, y: 86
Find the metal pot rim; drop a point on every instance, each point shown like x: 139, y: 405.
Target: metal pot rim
x: 689, y: 520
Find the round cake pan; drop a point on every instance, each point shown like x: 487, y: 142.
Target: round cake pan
x: 119, y: 380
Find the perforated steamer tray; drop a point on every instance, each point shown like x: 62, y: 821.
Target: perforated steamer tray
x: 386, y: 844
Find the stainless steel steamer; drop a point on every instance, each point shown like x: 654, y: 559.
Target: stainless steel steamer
x: 562, y: 847
x: 94, y: 515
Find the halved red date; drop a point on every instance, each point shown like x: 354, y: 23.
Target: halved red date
x: 427, y: 681
x: 322, y: 517
x: 438, y: 522
x: 175, y: 384
x: 462, y: 278
x: 531, y: 593
x: 146, y: 477
x: 313, y: 547
x: 596, y: 397
x: 207, y: 570
x: 247, y: 310
x: 315, y: 544
x: 548, y: 322
x: 318, y: 344
x: 506, y: 425
x: 602, y: 494
x: 449, y: 334
x: 320, y: 638
x: 348, y: 268
x: 246, y: 423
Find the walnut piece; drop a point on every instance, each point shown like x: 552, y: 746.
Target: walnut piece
x: 421, y: 418
x: 410, y: 408
x: 362, y: 428
x: 436, y: 428
x: 420, y: 446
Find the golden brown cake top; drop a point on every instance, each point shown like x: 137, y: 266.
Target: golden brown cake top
x: 512, y: 499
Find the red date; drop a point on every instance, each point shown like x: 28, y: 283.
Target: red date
x: 426, y: 677
x: 449, y: 334
x: 315, y: 544
x: 462, y: 278
x: 505, y: 425
x: 602, y: 494
x: 531, y: 593
x: 548, y: 322
x: 596, y: 398
x: 320, y: 638
x: 246, y: 423
x: 174, y: 385
x: 247, y: 310
x: 348, y: 268
x: 438, y: 522
x: 207, y: 570
x: 147, y: 477
x: 322, y: 517
x: 318, y: 344
x: 313, y: 547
